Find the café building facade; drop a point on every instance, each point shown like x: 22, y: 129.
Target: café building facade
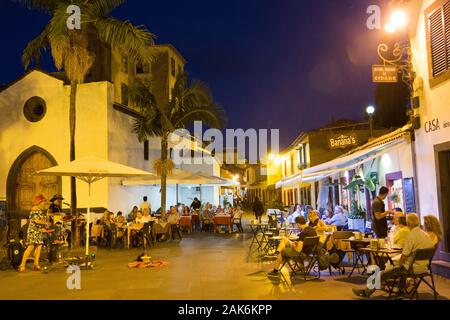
x: 429, y: 34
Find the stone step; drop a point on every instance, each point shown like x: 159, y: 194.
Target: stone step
x: 441, y: 268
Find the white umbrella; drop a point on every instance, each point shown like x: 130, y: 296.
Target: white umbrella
x: 90, y: 170
x: 182, y: 177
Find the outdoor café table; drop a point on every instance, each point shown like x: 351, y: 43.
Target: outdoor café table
x: 221, y: 220
x: 358, y: 260
x: 380, y: 255
x: 186, y: 222
x: 160, y: 227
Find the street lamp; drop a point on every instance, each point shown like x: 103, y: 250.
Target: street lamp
x: 370, y: 111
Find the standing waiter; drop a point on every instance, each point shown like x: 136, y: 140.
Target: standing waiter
x: 380, y: 214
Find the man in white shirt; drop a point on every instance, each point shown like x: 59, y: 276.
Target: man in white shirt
x: 146, y: 205
x: 416, y: 239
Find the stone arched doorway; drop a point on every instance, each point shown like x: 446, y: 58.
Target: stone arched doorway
x: 22, y: 186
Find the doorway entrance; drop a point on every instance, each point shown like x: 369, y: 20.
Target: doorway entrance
x: 22, y: 186
x: 442, y: 153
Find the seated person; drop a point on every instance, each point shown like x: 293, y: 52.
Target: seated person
x: 315, y: 222
x: 138, y: 222
x: 327, y: 214
x: 433, y: 229
x: 173, y: 219
x: 186, y: 211
x: 120, y: 220
x: 401, y: 233
x: 297, y: 213
x: 133, y: 214
x: 398, y: 241
x: 146, y: 217
x: 338, y: 219
x: 393, y: 230
x: 416, y: 239
x: 297, y: 246
x: 237, y: 213
x: 219, y: 210
x: 229, y: 210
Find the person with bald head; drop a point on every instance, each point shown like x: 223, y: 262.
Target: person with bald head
x: 416, y: 239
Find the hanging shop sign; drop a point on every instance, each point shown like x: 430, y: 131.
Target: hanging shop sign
x: 384, y: 74
x: 342, y: 141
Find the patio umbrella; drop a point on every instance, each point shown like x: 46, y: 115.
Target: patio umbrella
x: 90, y: 170
x: 181, y: 177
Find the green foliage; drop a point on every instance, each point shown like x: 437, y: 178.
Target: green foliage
x: 356, y: 212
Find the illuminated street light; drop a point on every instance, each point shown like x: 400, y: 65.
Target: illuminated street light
x: 271, y: 157
x: 370, y: 110
x: 399, y: 19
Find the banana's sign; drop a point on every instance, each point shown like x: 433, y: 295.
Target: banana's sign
x: 342, y: 141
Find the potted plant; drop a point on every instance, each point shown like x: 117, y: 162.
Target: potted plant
x: 356, y: 218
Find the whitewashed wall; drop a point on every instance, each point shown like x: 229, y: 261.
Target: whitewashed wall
x: 435, y: 104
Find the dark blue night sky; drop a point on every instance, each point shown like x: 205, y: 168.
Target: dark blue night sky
x: 287, y: 64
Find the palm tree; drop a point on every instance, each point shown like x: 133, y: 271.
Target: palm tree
x: 70, y: 51
x: 189, y: 102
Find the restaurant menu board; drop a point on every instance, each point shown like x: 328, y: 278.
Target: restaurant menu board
x: 409, y: 201
x: 2, y: 214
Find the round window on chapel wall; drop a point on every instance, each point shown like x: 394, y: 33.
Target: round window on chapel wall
x: 35, y: 109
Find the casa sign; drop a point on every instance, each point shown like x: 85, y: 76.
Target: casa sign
x: 342, y: 141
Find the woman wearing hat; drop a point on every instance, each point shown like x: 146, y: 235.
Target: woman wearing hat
x: 38, y: 222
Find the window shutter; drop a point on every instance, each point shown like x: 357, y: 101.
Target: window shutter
x: 447, y: 30
x: 438, y: 43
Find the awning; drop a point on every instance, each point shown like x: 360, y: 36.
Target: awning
x: 182, y: 177
x: 355, y: 158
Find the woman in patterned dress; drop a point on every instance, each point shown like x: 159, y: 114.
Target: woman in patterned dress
x: 38, y: 222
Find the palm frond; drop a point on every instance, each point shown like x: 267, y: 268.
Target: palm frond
x: 194, y: 102
x: 140, y: 95
x: 103, y: 8
x: 149, y: 126
x: 213, y: 116
x: 58, y: 23
x: 46, y: 6
x: 123, y: 34
x: 33, y: 51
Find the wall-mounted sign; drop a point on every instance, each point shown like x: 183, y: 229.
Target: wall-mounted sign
x: 436, y: 125
x: 408, y: 189
x: 384, y: 74
x: 342, y: 141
